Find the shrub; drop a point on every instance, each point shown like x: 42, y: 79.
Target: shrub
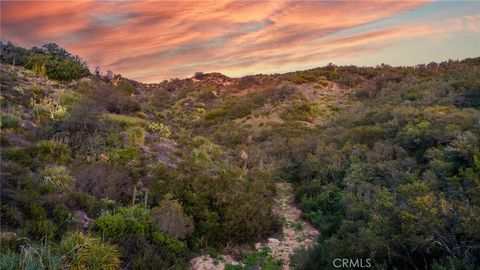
x: 110, y: 226
x: 160, y: 129
x: 303, y: 77
x: 52, y: 151
x: 59, y: 177
x: 128, y: 158
x: 128, y: 221
x: 126, y: 87
x: 170, y: 218
x: 298, y: 112
x: 104, y: 181
x: 9, y: 120
x: 171, y: 242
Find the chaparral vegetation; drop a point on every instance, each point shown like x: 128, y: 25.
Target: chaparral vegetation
x: 102, y: 172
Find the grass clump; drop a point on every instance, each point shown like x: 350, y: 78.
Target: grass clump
x: 88, y: 252
x: 135, y: 135
x: 52, y: 151
x: 9, y: 120
x: 125, y: 120
x: 59, y: 177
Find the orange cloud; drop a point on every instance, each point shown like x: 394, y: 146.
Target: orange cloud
x: 154, y: 40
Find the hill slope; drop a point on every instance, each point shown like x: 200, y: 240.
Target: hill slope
x: 384, y: 163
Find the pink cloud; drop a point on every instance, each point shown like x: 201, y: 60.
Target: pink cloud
x: 150, y: 41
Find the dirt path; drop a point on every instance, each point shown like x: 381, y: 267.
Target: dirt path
x: 296, y: 234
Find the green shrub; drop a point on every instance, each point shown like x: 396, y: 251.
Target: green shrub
x: 128, y: 158
x: 52, y: 151
x: 298, y: 112
x: 59, y: 177
x: 160, y: 129
x: 110, y: 226
x: 9, y: 120
x: 303, y: 77
x: 128, y: 221
x: 172, y: 243
x: 125, y: 86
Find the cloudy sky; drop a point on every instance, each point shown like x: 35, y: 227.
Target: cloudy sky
x: 152, y: 41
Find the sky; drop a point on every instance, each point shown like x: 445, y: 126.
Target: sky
x: 150, y: 41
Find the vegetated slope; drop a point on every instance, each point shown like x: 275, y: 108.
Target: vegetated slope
x: 384, y: 162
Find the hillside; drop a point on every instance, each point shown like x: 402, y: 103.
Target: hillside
x: 102, y: 172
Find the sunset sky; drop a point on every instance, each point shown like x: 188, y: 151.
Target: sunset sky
x: 152, y: 41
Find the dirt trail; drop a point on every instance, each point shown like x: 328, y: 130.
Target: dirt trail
x: 296, y: 234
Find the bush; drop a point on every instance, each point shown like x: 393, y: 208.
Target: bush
x: 104, y: 181
x: 303, y: 77
x: 170, y: 218
x: 50, y: 60
x: 128, y: 158
x: 160, y: 129
x: 125, y: 86
x: 52, y: 151
x: 59, y: 177
x: 9, y: 120
x: 298, y: 112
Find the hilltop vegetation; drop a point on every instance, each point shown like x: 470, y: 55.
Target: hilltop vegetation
x: 102, y: 172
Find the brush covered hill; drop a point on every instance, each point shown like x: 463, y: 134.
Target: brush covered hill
x: 102, y: 172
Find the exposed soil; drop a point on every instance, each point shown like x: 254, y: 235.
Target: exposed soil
x: 296, y: 232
